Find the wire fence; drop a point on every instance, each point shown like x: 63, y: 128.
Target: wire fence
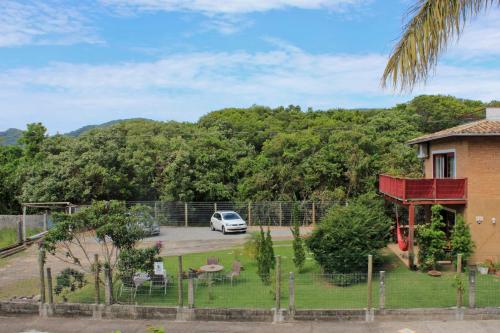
x: 227, y: 288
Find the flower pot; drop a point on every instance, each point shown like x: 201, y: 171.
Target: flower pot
x: 482, y: 270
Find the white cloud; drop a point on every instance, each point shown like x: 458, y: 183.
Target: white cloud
x: 43, y: 22
x: 230, y: 6
x: 184, y: 86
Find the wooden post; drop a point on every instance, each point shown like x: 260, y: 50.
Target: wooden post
x: 97, y: 296
x: 291, y: 295
x: 249, y: 213
x: 108, y: 285
x: 411, y: 231
x: 24, y: 224
x: 382, y: 291
x: 369, y: 284
x: 41, y: 264
x: 215, y: 207
x: 459, y: 274
x: 472, y: 288
x: 20, y: 231
x: 313, y: 213
x: 190, y: 292
x: 180, y: 299
x: 156, y: 212
x: 281, y: 214
x: 49, y: 286
x: 45, y: 221
x: 278, y: 283
x: 185, y: 214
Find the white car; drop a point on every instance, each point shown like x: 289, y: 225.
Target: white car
x: 227, y: 221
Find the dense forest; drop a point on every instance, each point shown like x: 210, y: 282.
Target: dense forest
x: 257, y: 153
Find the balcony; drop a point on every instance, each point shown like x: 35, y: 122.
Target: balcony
x: 424, y: 191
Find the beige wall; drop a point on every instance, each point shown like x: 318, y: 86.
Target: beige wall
x: 478, y: 160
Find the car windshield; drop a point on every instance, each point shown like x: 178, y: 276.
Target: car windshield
x: 231, y: 216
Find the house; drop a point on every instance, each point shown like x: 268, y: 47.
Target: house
x: 462, y: 173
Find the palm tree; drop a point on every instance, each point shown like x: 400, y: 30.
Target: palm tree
x: 433, y: 24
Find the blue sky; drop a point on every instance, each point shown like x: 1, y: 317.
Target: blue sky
x: 73, y: 63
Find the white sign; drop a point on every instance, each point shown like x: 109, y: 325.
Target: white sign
x: 159, y: 268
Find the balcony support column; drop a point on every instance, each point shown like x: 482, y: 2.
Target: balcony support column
x: 411, y: 233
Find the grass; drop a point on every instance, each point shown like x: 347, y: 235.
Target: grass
x: 8, y: 236
x: 404, y: 288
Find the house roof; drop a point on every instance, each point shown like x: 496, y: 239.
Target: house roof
x: 478, y: 128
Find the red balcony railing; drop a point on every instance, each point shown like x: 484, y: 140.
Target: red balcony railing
x: 435, y: 189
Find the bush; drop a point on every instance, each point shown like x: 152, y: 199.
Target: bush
x: 265, y: 256
x: 461, y: 240
x: 134, y: 260
x: 250, y: 248
x: 348, y: 234
x: 68, y: 281
x: 431, y: 240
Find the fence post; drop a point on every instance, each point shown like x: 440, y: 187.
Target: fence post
x: 249, y: 213
x: 369, y: 305
x: 49, y: 286
x: 278, y: 283
x: 281, y: 214
x: 20, y: 231
x: 190, y: 292
x: 41, y: 264
x: 215, y: 206
x: 472, y: 288
x: 185, y: 214
x: 45, y: 221
x: 179, y: 282
x: 460, y: 286
x: 313, y: 213
x: 382, y: 291
x: 24, y: 224
x: 108, y: 286
x: 291, y: 295
x: 97, y: 296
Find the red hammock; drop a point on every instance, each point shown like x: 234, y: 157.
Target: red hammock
x: 402, y: 240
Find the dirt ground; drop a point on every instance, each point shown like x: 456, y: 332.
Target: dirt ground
x: 22, y: 269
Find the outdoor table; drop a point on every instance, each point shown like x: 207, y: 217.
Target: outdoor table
x: 210, y: 270
x: 140, y: 278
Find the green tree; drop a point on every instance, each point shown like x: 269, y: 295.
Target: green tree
x: 32, y: 139
x: 434, y: 24
x: 299, y: 255
x: 461, y: 240
x: 346, y: 235
x: 431, y: 240
x: 265, y: 256
x: 110, y: 224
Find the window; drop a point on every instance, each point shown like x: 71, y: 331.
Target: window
x: 217, y: 216
x: 444, y: 165
x: 231, y: 216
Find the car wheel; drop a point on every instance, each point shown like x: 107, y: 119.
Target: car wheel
x: 212, y: 227
x: 224, y: 231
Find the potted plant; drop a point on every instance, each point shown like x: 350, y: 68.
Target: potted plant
x: 483, y: 268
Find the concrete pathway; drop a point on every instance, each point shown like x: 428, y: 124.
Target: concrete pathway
x: 66, y: 325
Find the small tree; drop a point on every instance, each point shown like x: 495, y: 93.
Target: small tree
x: 133, y: 260
x: 299, y: 255
x: 110, y: 224
x: 270, y: 249
x: 265, y: 256
x: 461, y: 240
x: 431, y: 240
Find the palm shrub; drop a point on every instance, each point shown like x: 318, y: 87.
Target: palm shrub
x: 431, y: 240
x: 346, y: 235
x: 461, y: 240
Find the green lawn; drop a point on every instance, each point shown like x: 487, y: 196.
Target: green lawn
x: 404, y: 288
x: 8, y: 236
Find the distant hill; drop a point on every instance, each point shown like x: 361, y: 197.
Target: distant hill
x: 10, y: 136
x: 84, y: 129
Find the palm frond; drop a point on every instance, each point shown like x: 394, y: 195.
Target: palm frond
x: 432, y: 25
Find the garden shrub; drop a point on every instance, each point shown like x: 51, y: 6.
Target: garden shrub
x: 461, y: 240
x: 68, y: 281
x: 265, y: 256
x: 431, y: 240
x: 134, y: 260
x: 299, y: 254
x: 346, y: 235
